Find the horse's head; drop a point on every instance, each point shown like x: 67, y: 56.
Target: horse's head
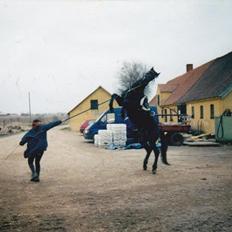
x: 139, y: 86
x: 151, y: 74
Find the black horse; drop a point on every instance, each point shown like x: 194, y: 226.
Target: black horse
x: 135, y: 105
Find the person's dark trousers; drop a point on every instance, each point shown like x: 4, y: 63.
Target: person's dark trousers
x: 37, y: 157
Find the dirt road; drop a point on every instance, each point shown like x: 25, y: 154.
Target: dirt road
x: 84, y: 188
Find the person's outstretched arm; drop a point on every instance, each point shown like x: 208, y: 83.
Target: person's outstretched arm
x: 51, y: 125
x: 24, y: 139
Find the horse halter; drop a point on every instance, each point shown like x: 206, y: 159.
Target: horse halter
x: 144, y: 103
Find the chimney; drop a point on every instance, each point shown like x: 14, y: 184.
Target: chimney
x: 189, y: 67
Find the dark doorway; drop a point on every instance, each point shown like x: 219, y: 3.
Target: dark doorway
x: 181, y: 109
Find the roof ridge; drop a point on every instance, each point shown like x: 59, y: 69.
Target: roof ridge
x: 91, y: 93
x: 216, y: 81
x: 186, y: 81
x: 194, y: 69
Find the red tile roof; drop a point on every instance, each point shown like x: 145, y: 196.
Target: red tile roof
x: 167, y: 87
x: 216, y: 81
x: 154, y: 101
x: 180, y: 85
x: 213, y: 79
x: 185, y: 82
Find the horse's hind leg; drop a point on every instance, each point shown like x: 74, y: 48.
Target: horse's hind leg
x: 164, y: 148
x: 148, y: 150
x: 156, y: 153
x: 154, y: 167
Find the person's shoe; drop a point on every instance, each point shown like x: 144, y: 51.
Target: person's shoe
x: 164, y: 160
x: 34, y: 176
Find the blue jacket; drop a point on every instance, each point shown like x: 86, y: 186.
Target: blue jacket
x: 36, y: 138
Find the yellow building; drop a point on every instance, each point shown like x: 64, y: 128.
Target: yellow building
x: 167, y: 95
x: 202, y: 93
x: 204, y: 111
x: 164, y: 91
x: 211, y: 95
x: 91, y: 102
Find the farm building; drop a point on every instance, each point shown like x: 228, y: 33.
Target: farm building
x: 90, y: 102
x: 203, y: 93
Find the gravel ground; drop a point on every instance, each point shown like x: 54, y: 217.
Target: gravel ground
x: 84, y: 188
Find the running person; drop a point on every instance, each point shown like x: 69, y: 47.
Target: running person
x: 36, y: 140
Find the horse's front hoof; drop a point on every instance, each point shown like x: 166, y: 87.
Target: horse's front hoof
x: 145, y: 167
x: 154, y: 171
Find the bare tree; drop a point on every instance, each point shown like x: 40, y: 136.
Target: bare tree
x: 129, y: 74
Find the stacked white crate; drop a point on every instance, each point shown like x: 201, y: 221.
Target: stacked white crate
x: 104, y: 138
x: 96, y: 139
x: 118, y: 134
x: 114, y: 136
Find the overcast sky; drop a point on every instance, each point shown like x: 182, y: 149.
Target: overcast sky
x: 61, y: 50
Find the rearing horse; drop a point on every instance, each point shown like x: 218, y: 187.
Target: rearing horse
x: 135, y: 105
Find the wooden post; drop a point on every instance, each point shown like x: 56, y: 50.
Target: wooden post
x: 29, y: 102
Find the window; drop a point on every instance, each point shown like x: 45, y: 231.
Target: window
x: 193, y: 112
x: 94, y: 104
x: 201, y: 112
x: 171, y: 117
x: 165, y: 115
x: 162, y: 113
x: 158, y: 100
x: 110, y: 117
x: 179, y: 115
x: 212, y: 111
x: 103, y: 119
